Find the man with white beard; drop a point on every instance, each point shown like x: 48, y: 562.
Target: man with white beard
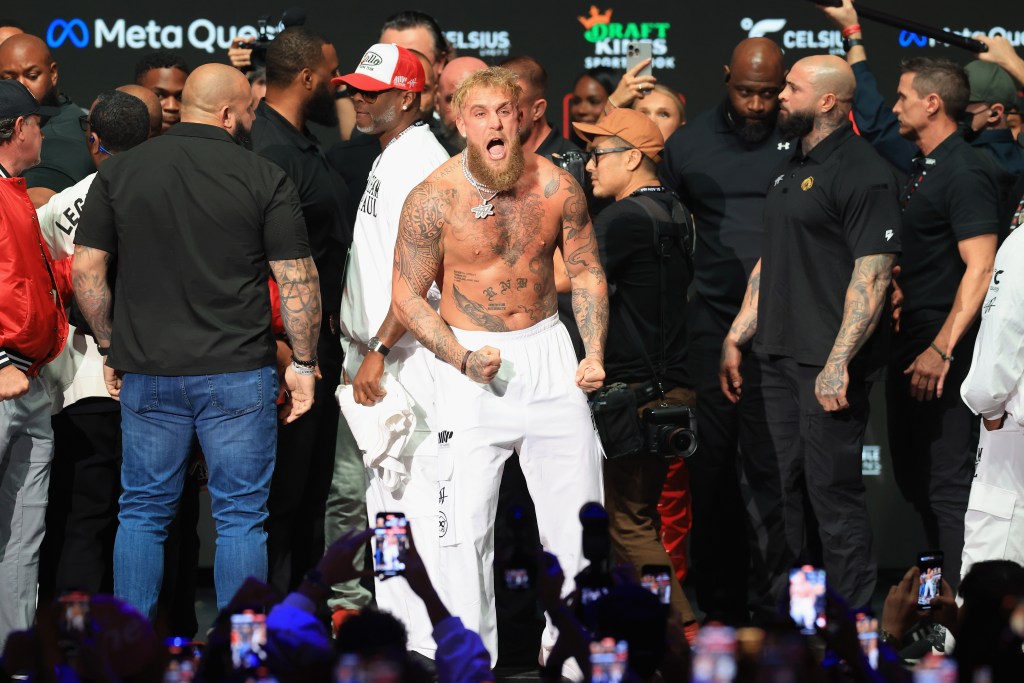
x: 386, y: 89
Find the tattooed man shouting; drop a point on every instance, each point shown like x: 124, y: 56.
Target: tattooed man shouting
x: 485, y: 226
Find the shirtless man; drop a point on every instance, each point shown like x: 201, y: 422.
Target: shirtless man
x: 485, y: 225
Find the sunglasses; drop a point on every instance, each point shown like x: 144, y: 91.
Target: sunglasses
x: 594, y: 154
x: 369, y: 96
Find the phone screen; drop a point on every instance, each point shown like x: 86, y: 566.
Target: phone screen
x: 390, y: 544
x: 714, y: 655
x: 930, y: 564
x: 636, y: 52
x: 183, y: 660
x: 807, y: 598
x: 657, y: 578
x: 517, y: 578
x: 933, y: 668
x: 75, y: 612
x: 248, y: 639
x: 608, y: 660
x: 867, y: 634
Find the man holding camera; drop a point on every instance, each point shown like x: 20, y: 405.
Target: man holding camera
x: 831, y: 239
x: 646, y: 240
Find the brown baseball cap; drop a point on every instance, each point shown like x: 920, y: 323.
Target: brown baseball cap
x: 631, y: 126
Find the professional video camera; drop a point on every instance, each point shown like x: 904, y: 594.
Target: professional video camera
x: 293, y: 16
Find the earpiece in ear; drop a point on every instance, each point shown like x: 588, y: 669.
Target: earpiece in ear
x: 92, y: 139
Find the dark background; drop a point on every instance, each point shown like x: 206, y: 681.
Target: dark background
x: 697, y: 36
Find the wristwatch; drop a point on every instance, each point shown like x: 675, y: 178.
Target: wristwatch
x: 850, y: 43
x: 375, y: 344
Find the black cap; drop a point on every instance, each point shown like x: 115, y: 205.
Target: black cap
x: 16, y: 100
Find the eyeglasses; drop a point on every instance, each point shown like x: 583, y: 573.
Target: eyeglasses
x: 86, y: 126
x: 593, y: 154
x: 369, y: 96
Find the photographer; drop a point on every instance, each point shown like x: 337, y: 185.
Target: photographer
x: 645, y: 239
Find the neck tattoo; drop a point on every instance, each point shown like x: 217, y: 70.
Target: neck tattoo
x: 484, y: 208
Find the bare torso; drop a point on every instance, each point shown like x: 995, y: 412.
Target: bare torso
x: 497, y: 272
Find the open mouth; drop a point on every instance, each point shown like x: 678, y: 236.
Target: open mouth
x: 496, y: 148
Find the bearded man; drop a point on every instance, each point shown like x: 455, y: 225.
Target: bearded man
x: 487, y: 224
x: 831, y: 237
x: 300, y: 66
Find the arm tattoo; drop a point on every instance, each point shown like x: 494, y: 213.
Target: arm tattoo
x: 583, y: 263
x: 745, y: 324
x: 92, y: 292
x: 299, y: 283
x: 865, y: 297
x: 418, y: 259
x: 477, y: 313
x: 391, y: 330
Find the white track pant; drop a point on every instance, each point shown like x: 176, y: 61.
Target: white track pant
x: 532, y: 407
x: 994, y: 525
x: 413, y: 368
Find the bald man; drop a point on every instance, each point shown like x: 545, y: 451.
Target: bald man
x: 812, y: 306
x: 197, y: 224
x: 451, y: 78
x: 721, y: 164
x: 152, y: 103
x: 65, y: 159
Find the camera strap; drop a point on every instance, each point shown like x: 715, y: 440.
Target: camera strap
x: 668, y: 230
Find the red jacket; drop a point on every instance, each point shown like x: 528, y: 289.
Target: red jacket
x: 33, y: 324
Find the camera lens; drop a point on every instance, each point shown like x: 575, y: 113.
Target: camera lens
x: 678, y: 441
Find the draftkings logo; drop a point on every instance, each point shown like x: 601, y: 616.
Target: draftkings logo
x: 611, y: 40
x: 201, y: 34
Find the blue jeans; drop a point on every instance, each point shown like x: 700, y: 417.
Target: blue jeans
x: 235, y: 418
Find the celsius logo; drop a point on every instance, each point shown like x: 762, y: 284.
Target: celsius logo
x: 485, y: 43
x: 371, y: 59
x: 201, y: 34
x: 759, y: 29
x: 793, y: 40
x: 61, y: 31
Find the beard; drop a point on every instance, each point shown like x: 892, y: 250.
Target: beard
x: 242, y: 136
x: 750, y: 130
x: 796, y: 124
x: 51, y: 98
x: 379, y: 124
x: 320, y: 108
x: 502, y: 179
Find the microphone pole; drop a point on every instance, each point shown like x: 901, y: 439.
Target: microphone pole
x: 939, y: 34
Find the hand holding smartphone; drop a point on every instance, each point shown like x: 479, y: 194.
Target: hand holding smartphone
x: 390, y: 544
x: 929, y: 562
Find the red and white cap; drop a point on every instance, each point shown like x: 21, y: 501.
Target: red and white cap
x: 384, y: 67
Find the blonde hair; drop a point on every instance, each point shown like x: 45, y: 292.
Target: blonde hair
x: 496, y: 77
x: 672, y: 95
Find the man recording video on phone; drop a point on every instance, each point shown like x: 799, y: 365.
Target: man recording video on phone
x: 645, y: 238
x: 812, y: 308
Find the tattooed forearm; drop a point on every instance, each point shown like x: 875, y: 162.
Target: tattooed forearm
x: 865, y: 297
x: 392, y: 329
x: 477, y: 313
x: 426, y: 325
x: 89, y: 279
x: 590, y: 305
x: 745, y: 324
x: 299, y: 283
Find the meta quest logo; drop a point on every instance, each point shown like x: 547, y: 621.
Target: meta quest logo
x: 201, y: 34
x: 611, y: 40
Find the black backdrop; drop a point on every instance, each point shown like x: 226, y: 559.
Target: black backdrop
x: 691, y: 40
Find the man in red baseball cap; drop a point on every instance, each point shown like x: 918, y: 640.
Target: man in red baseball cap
x: 380, y: 359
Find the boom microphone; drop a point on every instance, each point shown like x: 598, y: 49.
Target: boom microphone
x: 939, y: 34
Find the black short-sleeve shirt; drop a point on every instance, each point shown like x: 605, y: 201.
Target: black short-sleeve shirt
x: 193, y: 219
x: 823, y: 211
x: 722, y: 179
x: 951, y: 196
x: 323, y: 193
x: 625, y: 235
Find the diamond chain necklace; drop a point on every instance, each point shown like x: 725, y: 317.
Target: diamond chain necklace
x: 484, y: 208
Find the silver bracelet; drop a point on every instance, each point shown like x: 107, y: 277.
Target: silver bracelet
x: 302, y: 369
